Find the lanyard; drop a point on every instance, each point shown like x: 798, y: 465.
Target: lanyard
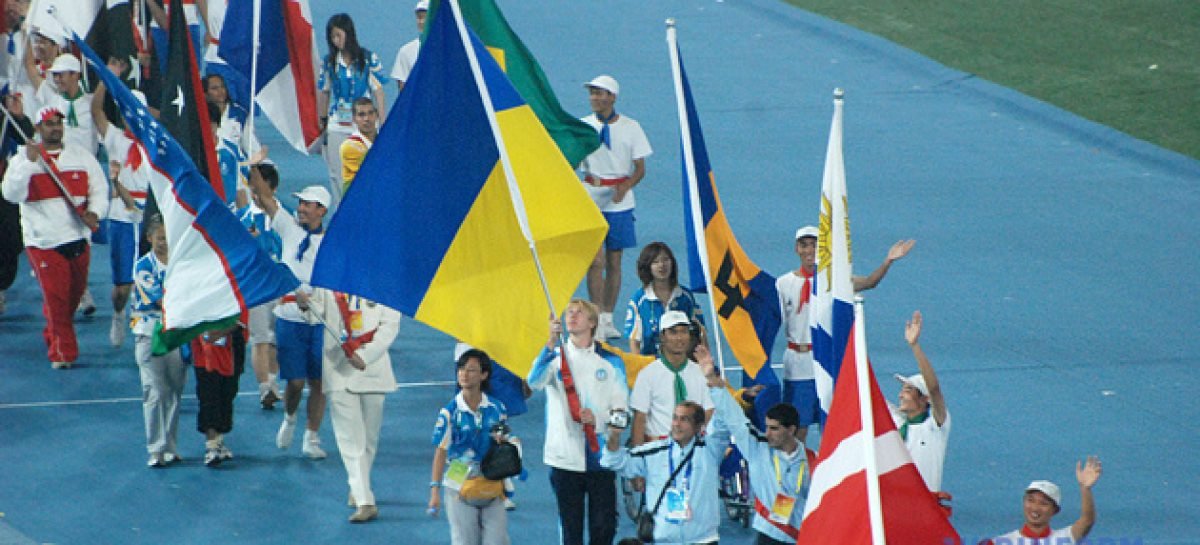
x: 687, y: 474
x: 779, y: 475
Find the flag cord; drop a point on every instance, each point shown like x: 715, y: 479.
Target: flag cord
x: 693, y: 189
x: 62, y: 189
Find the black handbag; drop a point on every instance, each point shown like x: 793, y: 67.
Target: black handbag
x: 503, y: 460
x: 645, y: 523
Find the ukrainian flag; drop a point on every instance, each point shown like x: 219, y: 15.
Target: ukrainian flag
x: 434, y: 228
x: 746, y: 303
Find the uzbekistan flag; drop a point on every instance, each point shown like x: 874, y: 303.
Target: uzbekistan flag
x: 285, y: 82
x: 865, y: 487
x: 434, y: 227
x: 215, y: 270
x: 832, y: 313
x: 743, y: 296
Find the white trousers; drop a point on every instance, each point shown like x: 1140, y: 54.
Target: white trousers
x: 332, y: 153
x: 356, y: 420
x: 471, y: 525
x: 163, y: 378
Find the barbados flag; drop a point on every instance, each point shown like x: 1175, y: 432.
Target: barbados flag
x: 743, y: 296
x: 215, y: 269
x: 832, y: 314
x: 463, y: 207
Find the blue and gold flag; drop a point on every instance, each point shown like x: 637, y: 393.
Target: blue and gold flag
x: 744, y: 296
x: 432, y: 225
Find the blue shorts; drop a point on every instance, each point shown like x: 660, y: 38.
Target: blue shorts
x: 621, y: 234
x: 122, y: 251
x: 802, y: 394
x: 298, y: 349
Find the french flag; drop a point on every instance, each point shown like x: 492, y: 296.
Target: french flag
x: 285, y: 82
x: 215, y: 270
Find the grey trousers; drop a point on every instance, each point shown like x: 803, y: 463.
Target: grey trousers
x: 471, y: 525
x: 163, y: 378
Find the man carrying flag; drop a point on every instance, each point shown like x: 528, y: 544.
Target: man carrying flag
x: 584, y: 384
x: 63, y: 194
x: 795, y: 291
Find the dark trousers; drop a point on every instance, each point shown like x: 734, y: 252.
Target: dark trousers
x: 764, y: 539
x: 11, y: 245
x: 216, y: 392
x: 599, y: 489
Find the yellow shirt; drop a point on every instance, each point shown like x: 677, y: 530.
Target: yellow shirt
x: 353, y: 150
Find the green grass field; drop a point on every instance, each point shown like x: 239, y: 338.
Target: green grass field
x: 1131, y: 64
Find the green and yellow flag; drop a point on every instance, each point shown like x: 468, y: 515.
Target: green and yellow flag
x: 573, y: 137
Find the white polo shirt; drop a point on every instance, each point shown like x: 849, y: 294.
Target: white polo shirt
x: 926, y: 443
x: 629, y: 143
x: 654, y: 394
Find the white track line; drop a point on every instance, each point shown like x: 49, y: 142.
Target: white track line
x: 37, y: 404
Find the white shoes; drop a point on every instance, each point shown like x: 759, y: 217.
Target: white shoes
x: 605, y: 329
x: 116, y: 331
x: 287, y: 431
x: 312, y: 446
x: 87, y: 305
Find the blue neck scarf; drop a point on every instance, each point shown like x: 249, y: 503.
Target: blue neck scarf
x: 304, y: 244
x: 605, y: 134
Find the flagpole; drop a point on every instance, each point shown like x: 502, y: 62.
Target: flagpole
x: 689, y: 163
x: 248, y: 131
x: 509, y: 176
x: 865, y: 404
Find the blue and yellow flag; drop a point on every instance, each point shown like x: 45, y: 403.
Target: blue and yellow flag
x: 430, y: 226
x: 744, y: 296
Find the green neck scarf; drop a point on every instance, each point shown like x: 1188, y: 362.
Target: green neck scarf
x: 72, y: 118
x: 680, y: 387
x: 920, y: 418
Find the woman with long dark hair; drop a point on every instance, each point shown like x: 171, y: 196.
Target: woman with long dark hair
x: 660, y: 292
x: 350, y: 71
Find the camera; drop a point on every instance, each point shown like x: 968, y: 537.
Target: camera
x: 501, y: 428
x: 618, y: 418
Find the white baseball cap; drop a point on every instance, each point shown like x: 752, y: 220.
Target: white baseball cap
x: 1049, y: 489
x: 57, y: 37
x: 422, y: 5
x: 916, y: 381
x: 806, y: 231
x: 606, y: 82
x: 672, y: 318
x: 315, y: 193
x: 65, y: 63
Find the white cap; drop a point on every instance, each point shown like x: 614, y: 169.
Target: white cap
x: 65, y: 63
x: 46, y: 113
x: 56, y: 37
x: 422, y: 5
x: 806, y: 231
x: 916, y: 381
x: 1049, y: 489
x: 606, y: 82
x: 315, y: 193
x: 672, y: 318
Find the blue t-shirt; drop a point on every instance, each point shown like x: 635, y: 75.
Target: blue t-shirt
x: 645, y: 310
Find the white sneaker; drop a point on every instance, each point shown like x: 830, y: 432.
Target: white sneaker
x: 312, y: 446
x: 116, y: 332
x: 87, y: 305
x: 606, y: 329
x: 287, y: 431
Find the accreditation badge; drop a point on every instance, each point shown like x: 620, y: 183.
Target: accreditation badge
x: 457, y: 473
x: 676, y: 506
x: 781, y: 508
x: 356, y: 320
